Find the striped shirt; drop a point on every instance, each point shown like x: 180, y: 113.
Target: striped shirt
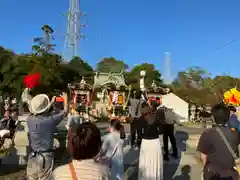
x: 85, y: 170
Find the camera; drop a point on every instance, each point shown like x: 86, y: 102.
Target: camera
x: 59, y: 99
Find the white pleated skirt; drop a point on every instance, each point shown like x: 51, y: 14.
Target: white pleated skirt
x: 150, y: 160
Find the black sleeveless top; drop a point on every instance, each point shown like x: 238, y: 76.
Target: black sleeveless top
x: 151, y: 131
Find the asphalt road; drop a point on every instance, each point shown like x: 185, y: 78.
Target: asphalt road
x: 14, y: 173
x: 102, y: 125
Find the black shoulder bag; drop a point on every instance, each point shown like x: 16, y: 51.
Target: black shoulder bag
x: 237, y: 160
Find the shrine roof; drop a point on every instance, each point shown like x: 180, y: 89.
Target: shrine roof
x: 82, y: 85
x: 102, y: 79
x: 158, y: 90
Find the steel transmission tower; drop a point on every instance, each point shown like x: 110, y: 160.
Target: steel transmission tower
x: 167, y: 74
x: 73, y: 35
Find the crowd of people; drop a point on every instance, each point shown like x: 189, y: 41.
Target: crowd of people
x: 91, y: 158
x: 8, y: 123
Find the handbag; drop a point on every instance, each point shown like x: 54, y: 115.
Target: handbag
x: 237, y: 160
x: 105, y: 160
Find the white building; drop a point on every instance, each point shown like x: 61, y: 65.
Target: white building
x: 179, y: 106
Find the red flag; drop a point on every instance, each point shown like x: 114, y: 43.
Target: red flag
x: 32, y: 80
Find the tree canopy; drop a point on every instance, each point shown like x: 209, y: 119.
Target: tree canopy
x: 152, y: 74
x: 110, y: 64
x: 193, y: 85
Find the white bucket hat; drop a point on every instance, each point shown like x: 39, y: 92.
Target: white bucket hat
x: 39, y: 104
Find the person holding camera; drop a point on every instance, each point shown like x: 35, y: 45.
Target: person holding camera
x: 42, y: 125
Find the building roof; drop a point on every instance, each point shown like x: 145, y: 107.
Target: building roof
x: 104, y: 79
x: 82, y: 85
x: 157, y: 89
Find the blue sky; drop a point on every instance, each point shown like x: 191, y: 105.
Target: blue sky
x: 135, y: 31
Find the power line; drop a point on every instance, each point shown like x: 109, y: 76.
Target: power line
x: 228, y: 43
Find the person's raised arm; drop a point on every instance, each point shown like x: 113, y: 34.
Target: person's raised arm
x: 69, y: 121
x: 60, y: 116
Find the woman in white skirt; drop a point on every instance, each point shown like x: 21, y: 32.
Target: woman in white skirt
x: 151, y: 158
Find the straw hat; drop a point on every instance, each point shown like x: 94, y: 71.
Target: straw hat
x: 39, y: 104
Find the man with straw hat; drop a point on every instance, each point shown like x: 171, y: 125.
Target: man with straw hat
x: 42, y: 125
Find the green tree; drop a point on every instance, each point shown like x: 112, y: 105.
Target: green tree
x: 7, y: 74
x: 43, y: 44
x: 110, y: 64
x: 81, y: 69
x: 152, y: 74
x: 209, y: 90
x: 193, y: 77
x: 48, y: 65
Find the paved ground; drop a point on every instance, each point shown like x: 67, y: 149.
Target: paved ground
x: 185, y: 168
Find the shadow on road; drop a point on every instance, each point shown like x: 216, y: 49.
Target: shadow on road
x: 172, y: 165
x: 169, y: 168
x: 185, y: 171
x: 12, y: 171
x: 131, y: 163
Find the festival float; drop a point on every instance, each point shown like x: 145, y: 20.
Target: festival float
x: 155, y: 93
x: 112, y: 94
x: 81, y: 94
